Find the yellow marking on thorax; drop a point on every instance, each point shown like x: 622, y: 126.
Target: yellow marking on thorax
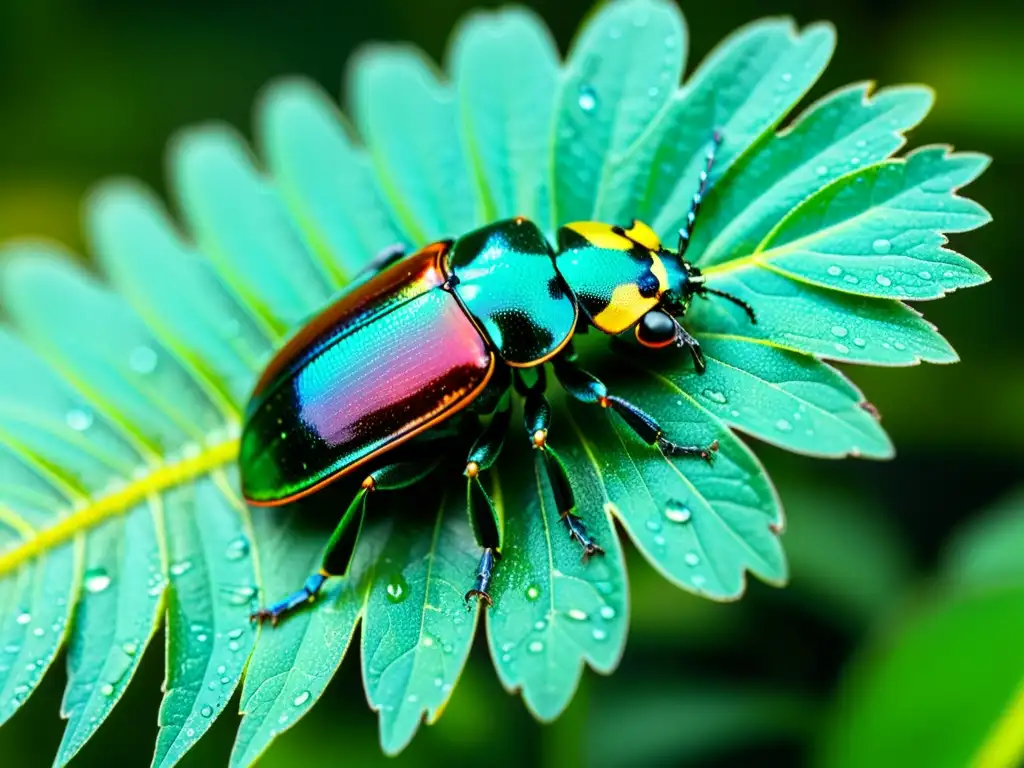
x: 625, y: 308
x: 644, y: 235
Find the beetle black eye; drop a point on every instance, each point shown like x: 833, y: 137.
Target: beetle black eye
x: 656, y: 329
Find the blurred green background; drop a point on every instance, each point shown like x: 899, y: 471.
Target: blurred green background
x: 900, y: 640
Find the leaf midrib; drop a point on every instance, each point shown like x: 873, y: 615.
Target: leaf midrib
x: 98, y: 509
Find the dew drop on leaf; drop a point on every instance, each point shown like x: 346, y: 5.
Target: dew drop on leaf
x: 838, y: 330
x: 881, y: 246
x: 206, y: 711
x: 653, y: 525
x: 181, y: 568
x: 237, y: 549
x: 107, y: 689
x: 851, y: 279
x: 783, y: 425
x: 821, y: 170
x: 130, y: 648
x: 835, y: 270
x: 539, y: 624
x: 142, y: 360
x: 24, y: 618
x: 96, y: 580
x: 577, y: 614
x: 38, y: 631
x: 301, y: 699
x: 587, y: 98
x: 678, y: 513
x: 842, y: 349
x: 600, y: 634
x: 925, y: 275
x: 883, y: 281
x: 607, y: 612
x: 535, y: 647
x: 714, y: 394
x: 691, y: 558
x: 397, y: 589
x: 78, y: 419
x: 532, y: 592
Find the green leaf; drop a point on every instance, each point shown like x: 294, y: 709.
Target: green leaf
x: 410, y: 124
x: 856, y: 222
x: 701, y: 526
x: 553, y: 612
x: 124, y: 392
x: 418, y: 628
x: 319, y: 172
x: 844, y: 132
x: 622, y: 70
x: 292, y: 664
x: 744, y: 88
x: 505, y: 68
x: 883, y: 718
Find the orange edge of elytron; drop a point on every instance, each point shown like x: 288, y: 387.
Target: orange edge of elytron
x: 447, y: 413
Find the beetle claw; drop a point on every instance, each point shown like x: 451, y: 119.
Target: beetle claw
x: 481, y: 595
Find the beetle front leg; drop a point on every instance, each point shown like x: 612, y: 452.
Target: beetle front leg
x: 587, y: 388
x: 337, y: 554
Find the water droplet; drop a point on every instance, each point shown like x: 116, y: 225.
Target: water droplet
x: 225, y: 680
x: 842, y: 348
x: 838, y: 330
x: 859, y: 342
x: 659, y: 540
x: 24, y: 618
x: 130, y: 648
x: 412, y: 698
x: 678, y: 513
x: 654, y: 525
x: 532, y: 592
x: 783, y: 425
x: 12, y: 648
x: 234, y: 634
x: 221, y: 669
x: 427, y: 642
x: 835, y: 270
x: 38, y: 631
x: 599, y: 634
x: 233, y: 646
x: 899, y: 345
x: 238, y: 595
x: 107, y: 689
x: 577, y: 614
x: 397, y: 589
x: 607, y: 612
x: 652, y: 91
x: 698, y: 580
x: 506, y: 657
x: 714, y: 394
x: 179, y: 569
x: 142, y: 360
x: 206, y: 711
x: 283, y: 718
x: 301, y: 699
x: 587, y: 98
x: 925, y: 275
x: 539, y: 624
x: 237, y: 549
x: 190, y: 732
x: 535, y: 647
x: 947, y: 273
x: 786, y: 77
x: 852, y: 279
x: 691, y: 558
x: 881, y: 246
x: 96, y: 580
x: 79, y: 419
x: 883, y: 281
x: 821, y: 170
x: 854, y: 160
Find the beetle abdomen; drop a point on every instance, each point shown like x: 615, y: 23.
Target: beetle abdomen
x: 364, y: 376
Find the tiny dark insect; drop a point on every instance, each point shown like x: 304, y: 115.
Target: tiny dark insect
x: 358, y: 381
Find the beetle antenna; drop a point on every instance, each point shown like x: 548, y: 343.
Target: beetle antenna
x: 691, y: 216
x: 704, y: 291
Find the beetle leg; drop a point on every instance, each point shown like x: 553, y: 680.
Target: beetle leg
x: 484, y: 518
x: 537, y: 415
x: 587, y: 388
x: 337, y: 554
x: 384, y: 258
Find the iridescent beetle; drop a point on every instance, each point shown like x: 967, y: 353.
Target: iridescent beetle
x: 446, y: 331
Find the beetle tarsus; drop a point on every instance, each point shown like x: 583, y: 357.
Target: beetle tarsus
x: 685, y: 341
x: 674, y: 449
x: 484, y: 572
x: 578, y: 532
x: 282, y: 608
